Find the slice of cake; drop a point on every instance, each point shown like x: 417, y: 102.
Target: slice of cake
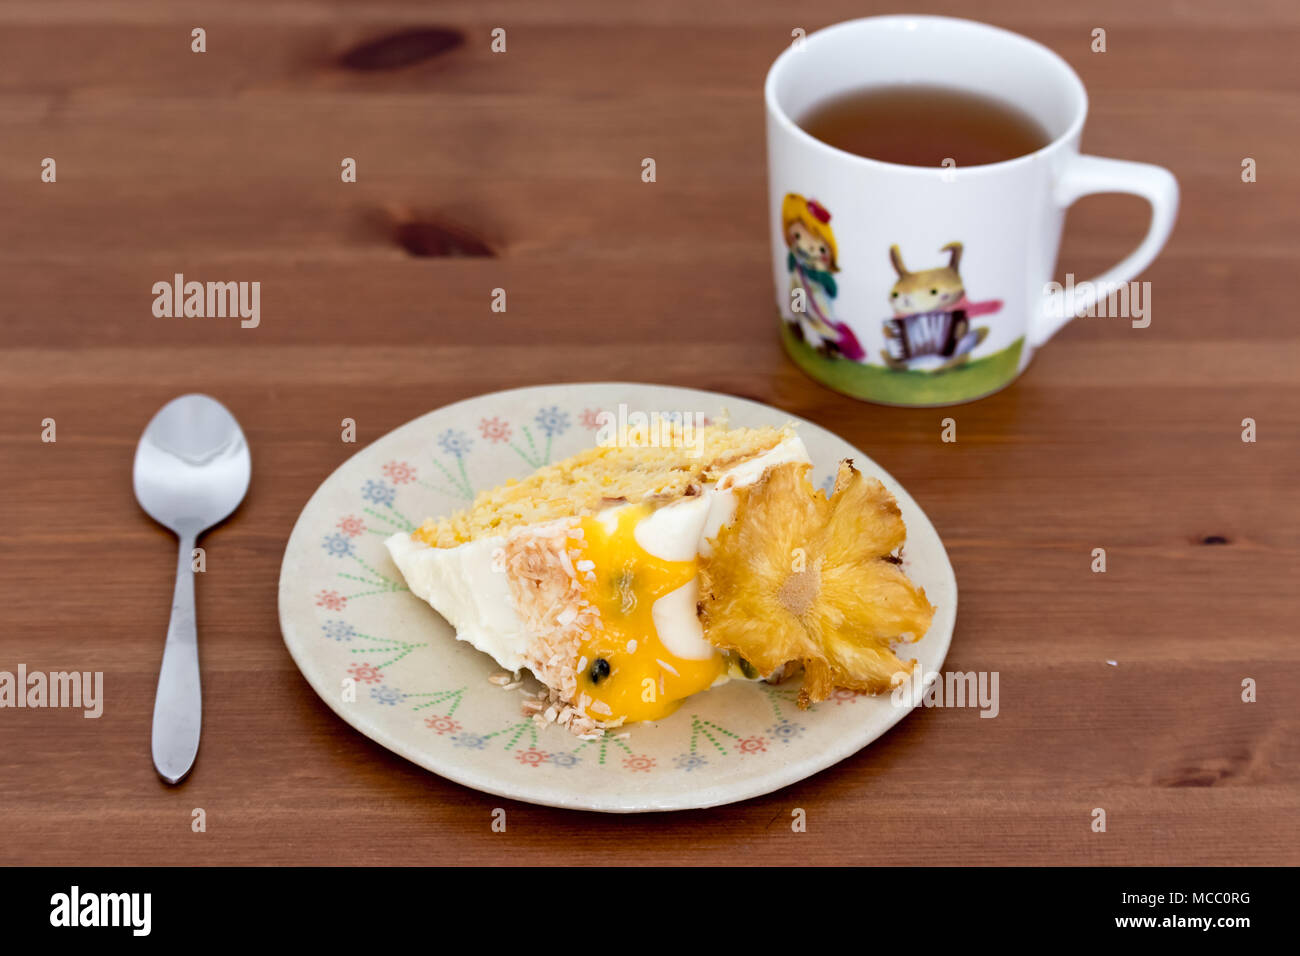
x: 587, y: 573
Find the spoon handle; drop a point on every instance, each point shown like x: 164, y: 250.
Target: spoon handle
x: 178, y: 707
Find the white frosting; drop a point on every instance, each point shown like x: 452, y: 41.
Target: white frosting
x: 463, y: 585
x: 677, y: 622
x: 673, y: 532
x: 748, y: 472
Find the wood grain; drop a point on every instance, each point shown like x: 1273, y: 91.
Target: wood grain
x: 226, y: 165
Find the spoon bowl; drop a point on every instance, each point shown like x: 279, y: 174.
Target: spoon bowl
x: 192, y: 465
x: 192, y: 469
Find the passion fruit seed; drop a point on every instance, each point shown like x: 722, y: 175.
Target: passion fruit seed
x: 599, y: 670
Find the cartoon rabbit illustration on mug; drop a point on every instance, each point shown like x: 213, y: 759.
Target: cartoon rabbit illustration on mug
x: 931, y: 325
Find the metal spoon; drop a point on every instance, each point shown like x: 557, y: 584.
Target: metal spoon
x: 191, y: 471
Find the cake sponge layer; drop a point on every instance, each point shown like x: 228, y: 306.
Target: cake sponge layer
x: 631, y: 470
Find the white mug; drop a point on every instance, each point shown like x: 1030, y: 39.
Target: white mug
x: 911, y: 285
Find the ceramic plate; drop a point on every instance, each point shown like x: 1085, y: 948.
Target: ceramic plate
x: 391, y: 667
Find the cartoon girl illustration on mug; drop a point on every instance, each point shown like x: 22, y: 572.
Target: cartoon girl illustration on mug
x: 811, y: 262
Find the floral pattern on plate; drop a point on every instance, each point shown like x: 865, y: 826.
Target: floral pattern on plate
x: 391, y: 667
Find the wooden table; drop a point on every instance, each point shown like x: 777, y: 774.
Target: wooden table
x: 226, y: 165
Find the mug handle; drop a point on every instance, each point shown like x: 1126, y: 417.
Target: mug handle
x: 1083, y: 176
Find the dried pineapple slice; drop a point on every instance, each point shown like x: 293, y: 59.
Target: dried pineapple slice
x: 796, y: 576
